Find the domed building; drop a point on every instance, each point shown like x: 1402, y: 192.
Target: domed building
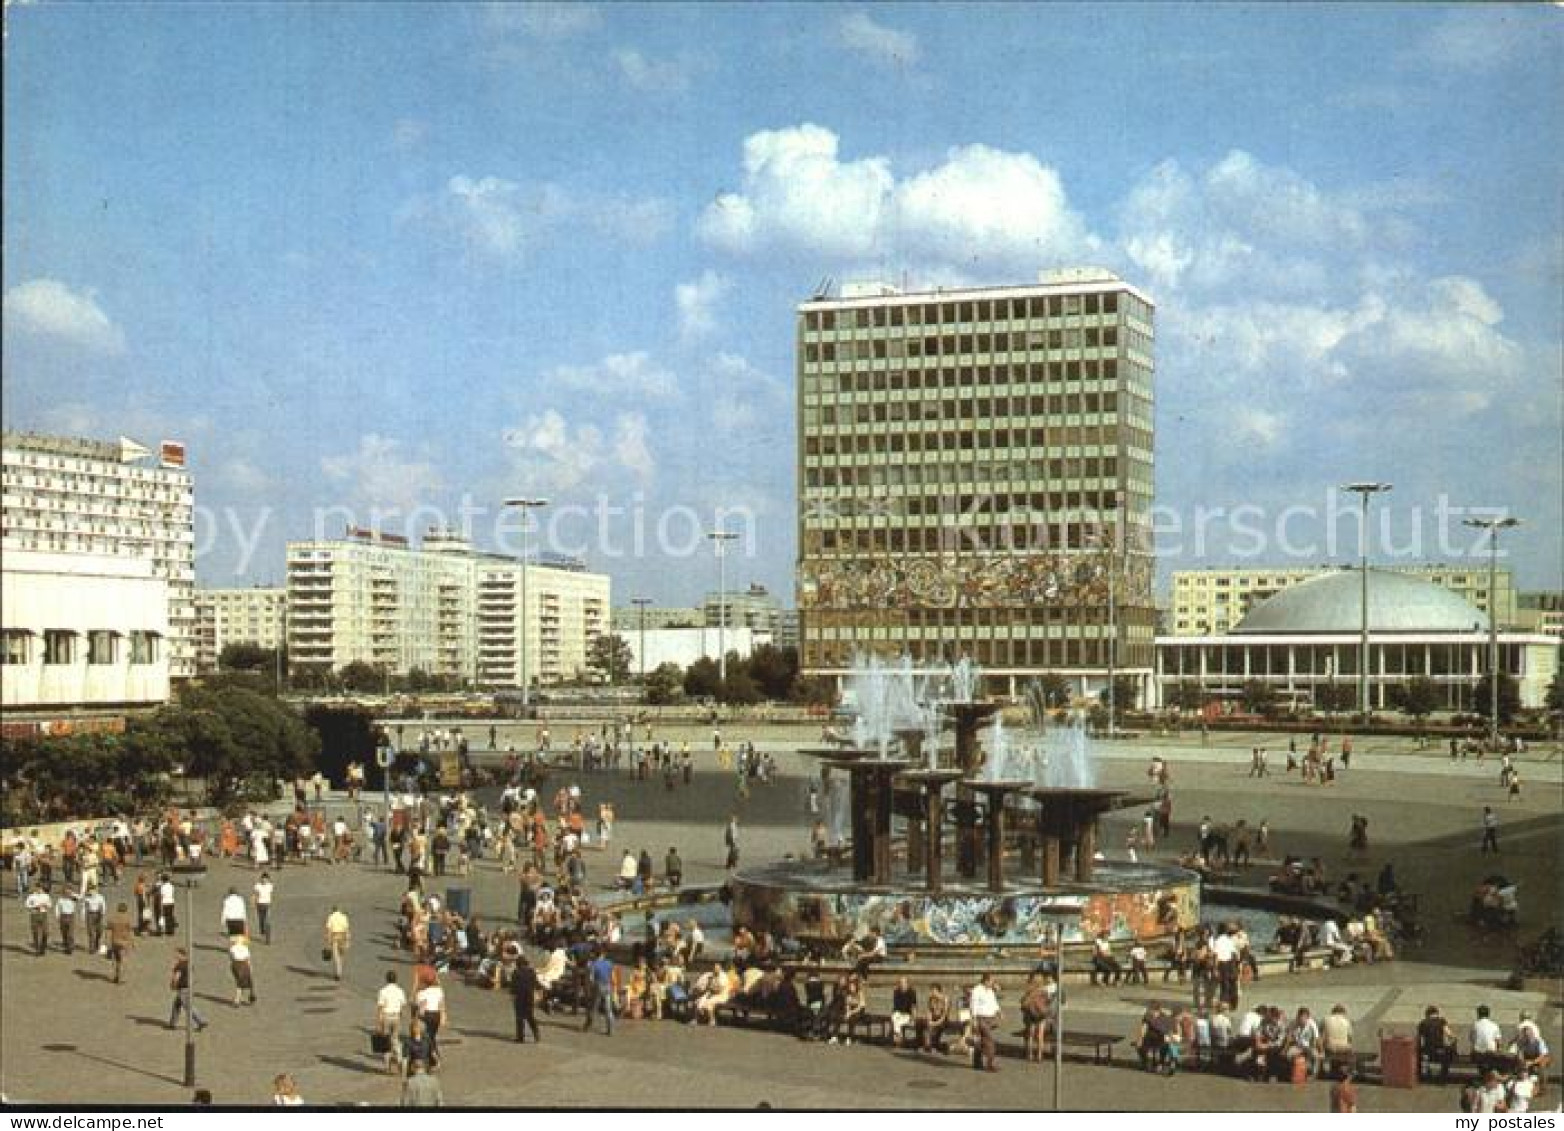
x: 1309, y: 636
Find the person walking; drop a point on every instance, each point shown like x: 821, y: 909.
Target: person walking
x: 179, y: 982
x: 421, y: 1089
x: 524, y: 992
x: 1490, y: 830
x: 39, y: 905
x: 429, y: 1009
x: 65, y: 915
x: 262, y: 895
x: 93, y: 908
x: 235, y: 917
x: 730, y: 839
x: 167, y: 899
x: 122, y: 931
x: 339, y: 936
x: 984, y: 1006
x: 600, y: 993
x: 239, y: 967
x: 390, y: 1004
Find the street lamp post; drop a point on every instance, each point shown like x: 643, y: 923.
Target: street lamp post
x: 641, y: 603
x: 526, y: 505
x: 718, y: 538
x: 190, y: 1047
x: 1493, y: 526
x: 1363, y: 491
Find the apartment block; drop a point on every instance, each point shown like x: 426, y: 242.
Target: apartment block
x: 441, y: 607
x: 257, y: 615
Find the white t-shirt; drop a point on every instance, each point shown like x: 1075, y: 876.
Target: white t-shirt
x: 430, y: 999
x: 984, y: 1003
x: 239, y: 950
x: 263, y: 893
x: 391, y: 1000
x: 1223, y: 948
x: 233, y: 908
x: 1486, y: 1035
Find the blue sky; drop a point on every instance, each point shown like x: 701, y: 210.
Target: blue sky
x: 384, y: 256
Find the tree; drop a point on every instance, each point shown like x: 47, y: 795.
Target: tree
x: 701, y: 679
x: 609, y: 656
x: 1509, y: 697
x: 343, y: 734
x: 1420, y: 697
x: 664, y: 685
x: 244, y: 656
x: 814, y: 690
x: 1554, y: 701
x: 740, y: 688
x: 361, y: 676
x: 773, y: 669
x: 1056, y: 690
x: 1189, y: 696
x: 1335, y: 696
x: 1259, y: 697
x: 1126, y: 693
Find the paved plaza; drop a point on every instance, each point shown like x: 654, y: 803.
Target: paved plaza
x: 71, y: 1036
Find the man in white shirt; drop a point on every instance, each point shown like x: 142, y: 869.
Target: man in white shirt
x: 984, y: 1005
x: 93, y: 907
x: 1248, y: 1023
x: 263, y: 905
x: 38, y: 906
x: 235, y: 919
x: 1485, y: 1032
x: 389, y: 1006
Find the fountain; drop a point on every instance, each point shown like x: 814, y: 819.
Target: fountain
x: 1010, y: 791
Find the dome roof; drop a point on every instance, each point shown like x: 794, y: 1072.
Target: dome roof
x: 1398, y: 603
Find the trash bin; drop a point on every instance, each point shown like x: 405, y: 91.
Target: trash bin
x: 1398, y: 1060
x: 459, y: 901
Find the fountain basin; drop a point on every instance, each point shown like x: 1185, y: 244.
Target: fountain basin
x: 817, y: 901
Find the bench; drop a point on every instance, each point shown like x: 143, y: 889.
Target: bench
x: 1101, y: 1044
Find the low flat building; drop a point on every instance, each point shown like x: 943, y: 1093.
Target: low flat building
x: 1209, y: 602
x: 683, y: 646
x: 81, y: 632
x: 1308, y: 636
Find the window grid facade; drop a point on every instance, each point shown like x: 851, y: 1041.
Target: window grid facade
x: 973, y: 465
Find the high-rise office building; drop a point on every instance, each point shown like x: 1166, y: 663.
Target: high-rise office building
x: 975, y: 477
x: 62, y: 495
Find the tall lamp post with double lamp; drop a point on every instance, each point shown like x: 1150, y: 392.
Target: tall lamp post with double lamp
x: 1363, y: 491
x: 1493, y: 526
x: 719, y: 538
x: 641, y: 603
x: 525, y: 505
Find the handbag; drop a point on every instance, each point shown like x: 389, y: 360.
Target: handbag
x: 325, y: 954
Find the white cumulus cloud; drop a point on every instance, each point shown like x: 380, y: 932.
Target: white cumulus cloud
x: 992, y: 208
x: 47, y: 308
x: 382, y: 474
x: 548, y: 452
x: 631, y: 374
x: 697, y: 301
x: 859, y: 32
x: 503, y: 219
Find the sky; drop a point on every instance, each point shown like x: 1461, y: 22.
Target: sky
x: 391, y: 257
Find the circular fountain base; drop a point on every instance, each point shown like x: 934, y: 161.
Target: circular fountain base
x: 818, y: 900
